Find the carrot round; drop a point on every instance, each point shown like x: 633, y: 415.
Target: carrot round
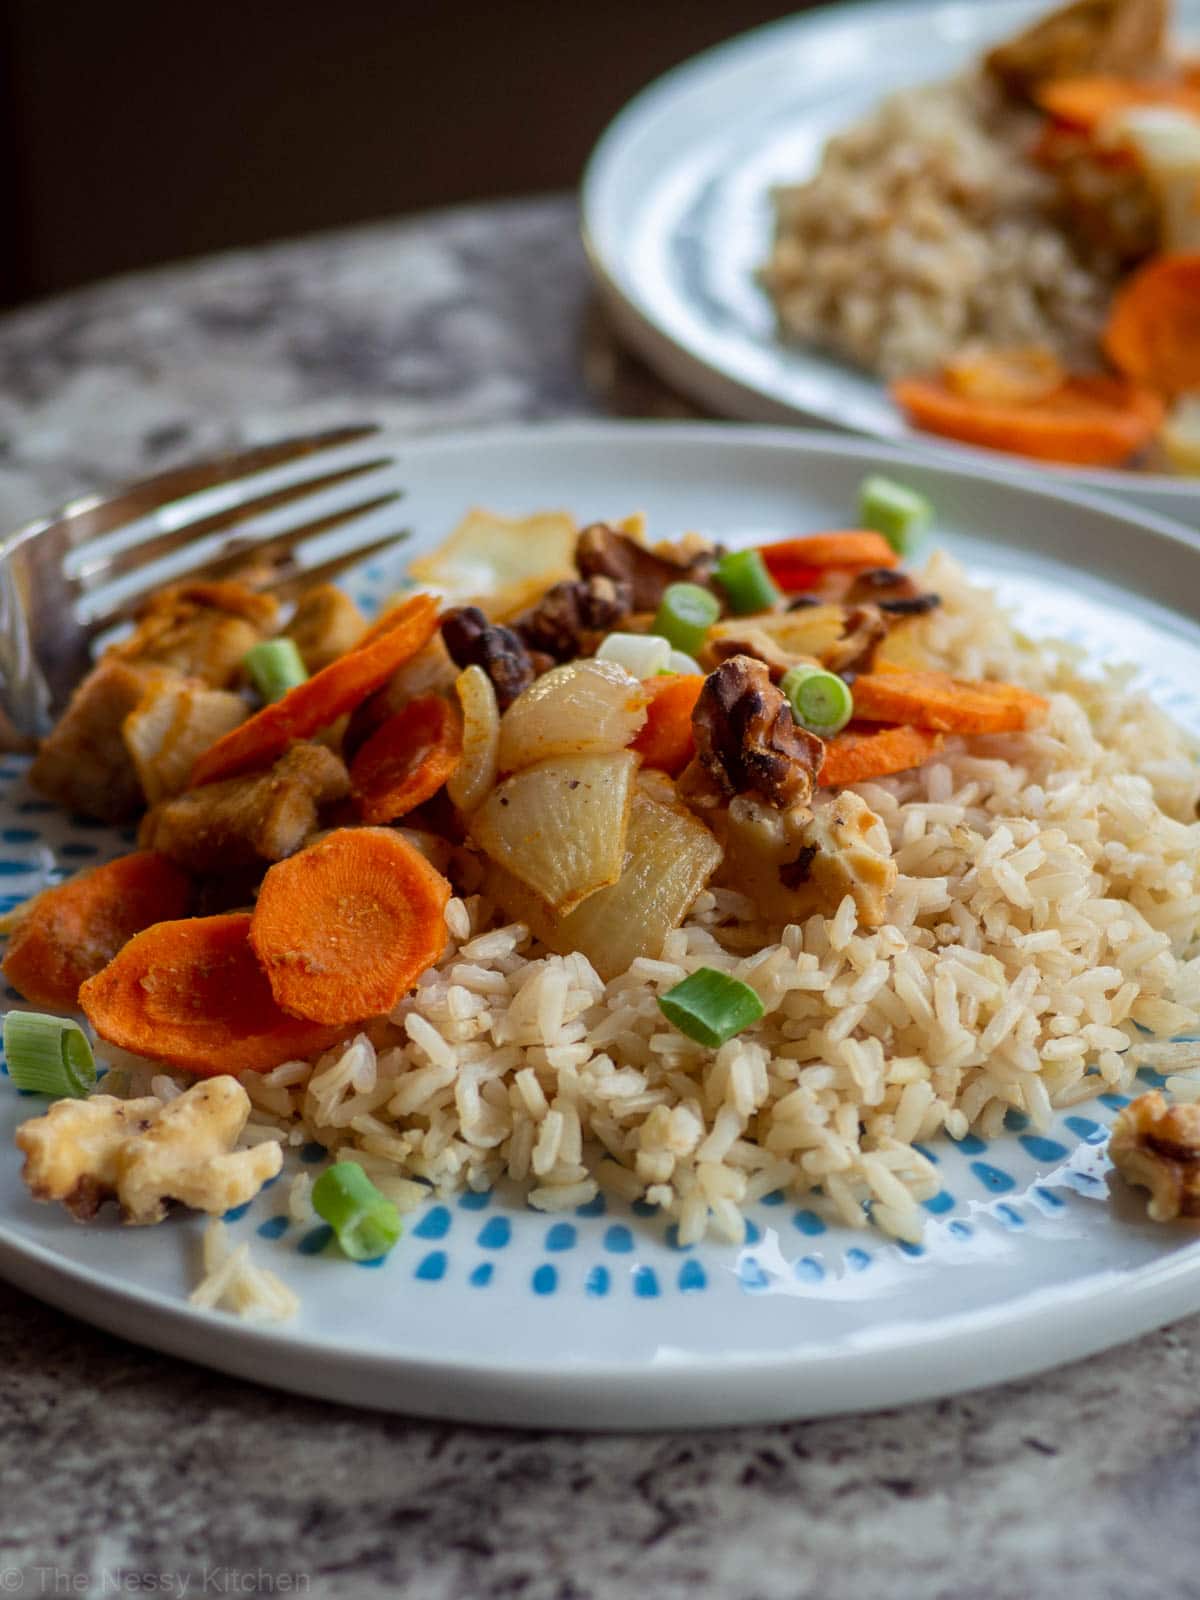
x: 193, y: 995
x: 665, y: 741
x: 1089, y: 422
x: 344, y: 929
x: 858, y: 753
x: 70, y: 932
x: 1153, y: 332
x: 789, y: 559
x: 407, y: 759
x: 326, y: 696
x: 1084, y: 103
x: 942, y: 704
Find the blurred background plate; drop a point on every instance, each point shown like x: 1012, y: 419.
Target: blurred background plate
x: 491, y: 1312
x: 677, y: 213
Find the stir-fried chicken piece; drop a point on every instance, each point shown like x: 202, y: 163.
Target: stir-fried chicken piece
x: 602, y: 552
x: 83, y: 763
x: 202, y: 630
x: 572, y: 617
x: 264, y: 817
x: 748, y: 742
x: 174, y: 722
x: 1126, y: 37
x: 473, y: 641
x: 796, y: 862
x: 1157, y: 1147
x: 146, y: 1153
x: 325, y: 625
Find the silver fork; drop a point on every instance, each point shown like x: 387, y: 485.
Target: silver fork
x: 69, y: 578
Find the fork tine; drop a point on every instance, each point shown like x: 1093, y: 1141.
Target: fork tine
x: 240, y: 551
x: 105, y: 566
x: 93, y: 515
x: 290, y: 585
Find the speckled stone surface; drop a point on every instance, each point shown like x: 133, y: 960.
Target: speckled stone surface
x: 123, y: 1472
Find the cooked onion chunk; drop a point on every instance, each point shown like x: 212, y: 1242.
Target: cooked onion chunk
x: 560, y: 826
x: 584, y: 706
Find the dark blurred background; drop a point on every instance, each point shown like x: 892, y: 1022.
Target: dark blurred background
x: 141, y: 131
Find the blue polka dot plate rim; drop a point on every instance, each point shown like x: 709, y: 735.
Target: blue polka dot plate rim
x: 487, y: 1311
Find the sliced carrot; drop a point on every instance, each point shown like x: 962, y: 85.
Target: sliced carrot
x: 850, y: 548
x: 325, y: 697
x: 192, y: 994
x: 666, y: 739
x: 1153, y: 332
x: 862, y: 751
x: 344, y: 929
x: 1085, y: 103
x: 407, y: 759
x: 943, y: 704
x: 1098, y: 422
x: 70, y: 932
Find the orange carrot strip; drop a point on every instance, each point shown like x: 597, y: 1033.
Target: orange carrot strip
x: 1153, y: 332
x: 71, y: 931
x: 864, y: 752
x: 192, y: 994
x: 407, y: 759
x: 1085, y: 103
x: 943, y: 704
x: 344, y: 929
x: 666, y: 739
x: 851, y: 548
x: 325, y: 697
x: 1097, y: 422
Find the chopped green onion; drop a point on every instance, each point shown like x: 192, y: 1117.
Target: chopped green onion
x: 685, y: 615
x: 820, y: 700
x: 710, y: 1007
x: 50, y: 1055
x: 366, y: 1222
x: 747, y: 584
x: 275, y: 666
x: 645, y: 655
x: 677, y: 661
x: 899, y: 513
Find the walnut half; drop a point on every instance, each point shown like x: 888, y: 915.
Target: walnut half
x: 1157, y: 1147
x: 144, y: 1153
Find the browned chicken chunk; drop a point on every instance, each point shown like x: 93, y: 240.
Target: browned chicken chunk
x: 1126, y: 37
x: 202, y: 630
x: 84, y: 764
x: 602, y: 552
x: 1157, y: 1147
x: 326, y: 624
x: 221, y: 826
x: 748, y: 742
x: 175, y: 721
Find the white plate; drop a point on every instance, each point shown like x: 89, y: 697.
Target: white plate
x: 677, y: 213
x: 490, y: 1312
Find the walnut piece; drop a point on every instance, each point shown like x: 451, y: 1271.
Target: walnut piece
x: 473, y: 641
x: 145, y: 1153
x: 572, y: 617
x: 747, y: 740
x: 1157, y: 1147
x: 604, y: 552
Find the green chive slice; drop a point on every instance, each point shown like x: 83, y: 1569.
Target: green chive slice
x: 365, y: 1222
x: 275, y: 666
x: 899, y: 513
x: 748, y: 585
x: 820, y: 700
x: 710, y: 1007
x: 49, y: 1055
x: 685, y: 615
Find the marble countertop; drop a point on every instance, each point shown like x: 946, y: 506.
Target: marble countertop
x: 125, y: 1472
